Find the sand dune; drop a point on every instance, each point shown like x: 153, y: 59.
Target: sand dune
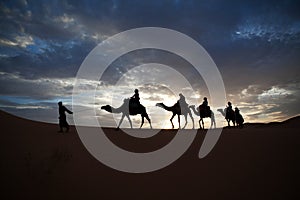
x: 257, y: 162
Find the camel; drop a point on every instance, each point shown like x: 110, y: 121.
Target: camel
x: 229, y: 118
x: 176, y: 110
x: 124, y: 109
x: 202, y: 116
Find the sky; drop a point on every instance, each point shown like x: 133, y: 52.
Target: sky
x: 255, y: 45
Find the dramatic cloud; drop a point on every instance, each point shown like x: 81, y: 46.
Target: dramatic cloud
x: 255, y: 45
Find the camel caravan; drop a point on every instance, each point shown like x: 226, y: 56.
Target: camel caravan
x: 132, y: 106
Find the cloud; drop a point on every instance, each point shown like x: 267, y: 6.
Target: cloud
x: 267, y: 103
x: 22, y: 41
x: 65, y: 18
x: 43, y: 88
x: 272, y: 28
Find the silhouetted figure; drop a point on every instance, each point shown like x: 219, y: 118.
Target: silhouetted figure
x: 199, y: 112
x: 182, y: 103
x: 62, y: 117
x: 205, y: 102
x: 238, y: 118
x: 134, y: 102
x: 204, y: 108
x: 140, y: 109
x: 179, y: 108
x: 229, y: 111
x: 136, y: 97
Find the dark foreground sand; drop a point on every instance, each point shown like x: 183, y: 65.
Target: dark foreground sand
x: 257, y: 162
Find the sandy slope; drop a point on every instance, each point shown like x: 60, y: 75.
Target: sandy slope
x: 257, y: 162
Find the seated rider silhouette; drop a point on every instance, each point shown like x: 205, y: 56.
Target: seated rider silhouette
x: 229, y: 111
x: 238, y: 116
x: 62, y: 117
x: 181, y: 102
x: 134, y: 101
x: 204, y: 106
x: 136, y: 97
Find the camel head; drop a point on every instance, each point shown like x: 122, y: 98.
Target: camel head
x: 107, y: 108
x: 192, y: 106
x: 222, y: 111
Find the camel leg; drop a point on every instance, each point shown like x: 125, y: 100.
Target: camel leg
x: 200, y: 123
x: 121, y: 120
x: 129, y: 120
x: 213, y: 121
x: 172, y: 121
x: 185, y: 117
x: 192, y: 119
x: 142, y: 121
x: 179, y: 121
x: 149, y: 120
x: 147, y: 117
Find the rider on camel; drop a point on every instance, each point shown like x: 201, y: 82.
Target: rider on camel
x: 205, y: 102
x: 181, y: 102
x: 136, y: 97
x: 204, y: 106
x: 229, y: 110
x: 134, y: 101
x: 239, y: 118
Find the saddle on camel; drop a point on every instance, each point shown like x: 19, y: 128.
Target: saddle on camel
x: 204, y: 109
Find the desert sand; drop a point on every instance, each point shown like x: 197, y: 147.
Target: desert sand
x: 260, y: 161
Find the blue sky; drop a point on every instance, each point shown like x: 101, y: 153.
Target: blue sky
x: 255, y: 44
